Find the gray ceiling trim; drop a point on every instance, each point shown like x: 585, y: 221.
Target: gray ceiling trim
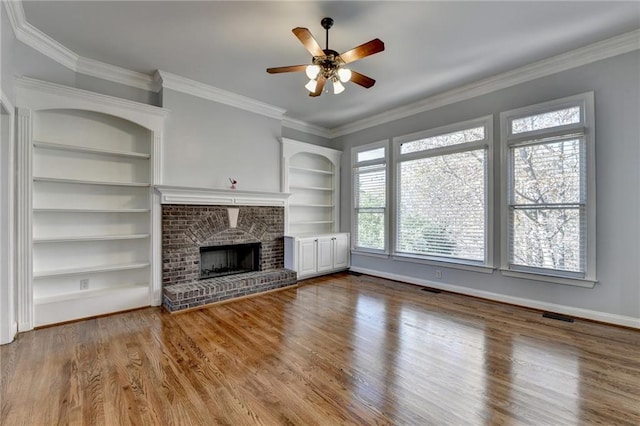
x: 39, y: 41
x: 305, y: 127
x: 36, y: 39
x: 201, y: 90
x: 601, y: 50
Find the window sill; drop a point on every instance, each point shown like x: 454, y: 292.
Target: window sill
x: 577, y: 282
x: 451, y: 264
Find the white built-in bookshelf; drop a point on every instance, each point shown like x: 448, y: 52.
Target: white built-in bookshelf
x: 90, y: 167
x: 311, y: 174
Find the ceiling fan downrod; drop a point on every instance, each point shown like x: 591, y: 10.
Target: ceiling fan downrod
x: 326, y: 24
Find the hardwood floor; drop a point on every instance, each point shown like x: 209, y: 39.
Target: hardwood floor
x: 337, y: 350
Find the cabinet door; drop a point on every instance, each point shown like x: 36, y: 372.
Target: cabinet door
x: 341, y: 251
x: 307, y: 257
x: 325, y: 254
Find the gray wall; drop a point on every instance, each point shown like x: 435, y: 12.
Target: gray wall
x: 616, y: 84
x: 206, y: 143
x: 7, y: 44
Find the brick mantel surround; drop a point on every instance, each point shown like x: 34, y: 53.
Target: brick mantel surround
x: 194, y: 218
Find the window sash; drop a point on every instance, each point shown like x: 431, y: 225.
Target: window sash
x: 370, y: 179
x: 577, y: 252
x: 437, y: 245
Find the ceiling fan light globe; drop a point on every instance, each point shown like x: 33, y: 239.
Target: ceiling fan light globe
x: 337, y: 87
x: 344, y: 74
x: 312, y: 71
x: 311, y: 85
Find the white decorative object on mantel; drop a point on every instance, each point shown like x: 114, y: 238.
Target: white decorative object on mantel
x: 233, y: 216
x: 219, y: 197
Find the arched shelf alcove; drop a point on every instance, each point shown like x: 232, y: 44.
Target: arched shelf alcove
x: 88, y: 221
x: 311, y: 174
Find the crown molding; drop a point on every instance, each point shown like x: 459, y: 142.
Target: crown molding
x: 39, y: 41
x: 305, y: 127
x: 615, y: 46
x: 30, y: 93
x: 117, y: 74
x: 201, y: 90
x: 36, y: 39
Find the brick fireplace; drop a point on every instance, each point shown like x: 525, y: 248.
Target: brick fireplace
x: 190, y: 229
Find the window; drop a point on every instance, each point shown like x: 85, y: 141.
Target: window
x: 370, y: 197
x: 443, y: 193
x: 549, y: 190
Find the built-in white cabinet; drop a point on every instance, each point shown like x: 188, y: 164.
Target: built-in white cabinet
x: 87, y: 190
x: 313, y: 245
x: 317, y: 255
x: 311, y: 174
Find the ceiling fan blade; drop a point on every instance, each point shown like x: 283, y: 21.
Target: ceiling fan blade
x: 364, y: 50
x: 290, y: 68
x: 310, y: 43
x: 319, y: 86
x: 362, y: 79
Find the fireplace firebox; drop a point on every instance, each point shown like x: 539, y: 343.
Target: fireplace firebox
x: 217, y: 261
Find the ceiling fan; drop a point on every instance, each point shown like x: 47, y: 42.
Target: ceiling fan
x: 328, y: 65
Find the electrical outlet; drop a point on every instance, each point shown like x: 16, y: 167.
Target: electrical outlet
x: 438, y: 273
x: 84, y: 284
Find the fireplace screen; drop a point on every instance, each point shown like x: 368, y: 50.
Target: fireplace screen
x: 216, y: 261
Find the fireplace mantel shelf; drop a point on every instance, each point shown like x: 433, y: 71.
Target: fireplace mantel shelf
x: 219, y: 197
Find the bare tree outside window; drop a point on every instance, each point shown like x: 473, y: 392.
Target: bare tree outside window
x: 442, y: 196
x: 548, y: 194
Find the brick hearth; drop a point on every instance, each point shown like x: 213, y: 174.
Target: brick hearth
x: 186, y: 228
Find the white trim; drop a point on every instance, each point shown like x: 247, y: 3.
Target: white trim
x: 453, y: 263
x: 605, y: 317
x: 587, y: 105
x: 219, y: 197
x: 38, y: 95
x: 24, y: 218
x: 305, y: 127
x: 386, y: 160
x: 578, y: 282
x: 291, y: 147
x: 205, y: 91
x: 117, y: 74
x: 37, y: 40
x: 487, y: 143
x: 8, y: 314
x: 619, y: 45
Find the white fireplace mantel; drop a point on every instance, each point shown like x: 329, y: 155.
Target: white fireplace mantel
x: 219, y: 197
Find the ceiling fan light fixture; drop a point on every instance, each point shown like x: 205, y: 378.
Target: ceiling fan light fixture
x: 311, y: 85
x: 344, y: 74
x: 312, y: 71
x: 327, y: 64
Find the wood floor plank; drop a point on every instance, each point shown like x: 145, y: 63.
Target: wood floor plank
x: 339, y: 349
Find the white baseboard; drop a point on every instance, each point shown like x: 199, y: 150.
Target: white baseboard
x: 622, y: 320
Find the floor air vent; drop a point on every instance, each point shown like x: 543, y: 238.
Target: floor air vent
x: 430, y: 290
x: 557, y: 317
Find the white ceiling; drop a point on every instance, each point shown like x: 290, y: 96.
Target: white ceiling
x: 430, y: 46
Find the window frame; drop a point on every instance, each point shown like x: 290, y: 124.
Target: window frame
x: 384, y: 252
x: 585, y: 127
x: 487, y: 265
